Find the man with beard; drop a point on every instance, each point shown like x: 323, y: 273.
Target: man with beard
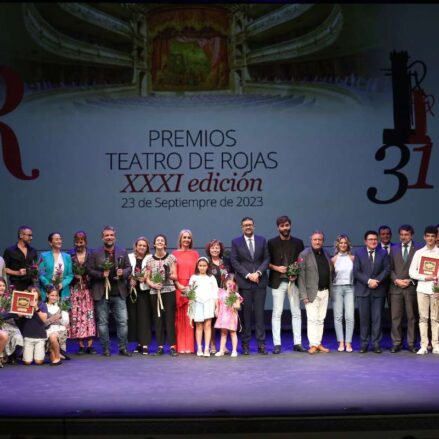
x: 109, y: 269
x: 19, y: 258
x: 284, y: 250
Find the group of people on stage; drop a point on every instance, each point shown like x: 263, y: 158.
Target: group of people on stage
x: 186, y: 298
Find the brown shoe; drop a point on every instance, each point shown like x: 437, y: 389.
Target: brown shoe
x: 322, y: 348
x: 313, y: 350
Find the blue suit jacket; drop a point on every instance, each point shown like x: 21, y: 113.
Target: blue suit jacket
x: 243, y: 263
x: 364, y: 270
x: 46, y: 269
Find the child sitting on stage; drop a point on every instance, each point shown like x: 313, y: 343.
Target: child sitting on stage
x: 10, y: 336
x: 34, y: 331
x: 227, y: 318
x: 205, y: 304
x: 56, y: 323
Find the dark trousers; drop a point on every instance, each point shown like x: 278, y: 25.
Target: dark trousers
x: 140, y: 318
x: 405, y: 301
x: 166, y: 319
x: 371, y: 309
x: 254, y: 303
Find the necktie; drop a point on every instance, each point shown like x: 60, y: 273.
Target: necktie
x: 386, y: 247
x: 251, y: 247
x: 405, y: 253
x: 371, y: 256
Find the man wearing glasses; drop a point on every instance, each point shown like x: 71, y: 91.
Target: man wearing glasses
x: 19, y: 259
x: 371, y: 269
x: 250, y: 259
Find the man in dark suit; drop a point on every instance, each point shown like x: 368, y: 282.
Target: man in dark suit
x: 250, y: 258
x: 315, y: 285
x: 371, y: 269
x: 403, y: 290
x: 109, y: 290
x: 284, y: 250
x: 385, y: 235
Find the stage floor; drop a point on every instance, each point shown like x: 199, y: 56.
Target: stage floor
x: 289, y: 384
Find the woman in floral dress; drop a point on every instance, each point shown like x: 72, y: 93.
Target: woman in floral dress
x: 82, y: 316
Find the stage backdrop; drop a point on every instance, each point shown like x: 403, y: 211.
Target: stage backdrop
x: 157, y: 118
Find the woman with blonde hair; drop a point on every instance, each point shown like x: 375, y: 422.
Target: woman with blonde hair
x: 186, y: 261
x: 343, y: 292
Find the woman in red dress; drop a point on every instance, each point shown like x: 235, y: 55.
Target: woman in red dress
x: 186, y: 261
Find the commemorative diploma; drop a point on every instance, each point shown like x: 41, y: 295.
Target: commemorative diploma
x: 21, y: 303
x: 429, y: 266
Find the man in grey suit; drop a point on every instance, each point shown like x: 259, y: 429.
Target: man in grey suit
x: 403, y: 289
x: 315, y: 282
x: 109, y: 290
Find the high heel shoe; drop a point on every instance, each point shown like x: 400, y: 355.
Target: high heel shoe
x: 341, y: 347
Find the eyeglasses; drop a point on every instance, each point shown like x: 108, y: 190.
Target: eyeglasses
x: 247, y: 225
x: 27, y: 234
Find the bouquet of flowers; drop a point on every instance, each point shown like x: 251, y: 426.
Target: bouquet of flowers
x: 138, y: 276
x: 191, y: 294
x: 5, y: 306
x: 158, y: 276
x: 231, y: 299
x: 293, y: 270
x: 57, y: 277
x: 107, y: 265
x: 64, y: 304
x: 223, y: 272
x: 80, y: 270
x: 33, y: 271
x: 435, y: 287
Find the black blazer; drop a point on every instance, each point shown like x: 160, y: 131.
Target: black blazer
x: 277, y: 258
x: 96, y: 274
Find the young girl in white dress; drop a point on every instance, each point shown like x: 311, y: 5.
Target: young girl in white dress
x: 56, y: 325
x: 205, y: 305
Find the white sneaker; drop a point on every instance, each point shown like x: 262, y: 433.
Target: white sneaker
x: 436, y: 349
x: 219, y: 354
x: 199, y: 353
x: 422, y: 351
x: 234, y: 354
x: 207, y: 353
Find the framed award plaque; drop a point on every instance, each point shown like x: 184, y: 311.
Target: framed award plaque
x: 21, y: 303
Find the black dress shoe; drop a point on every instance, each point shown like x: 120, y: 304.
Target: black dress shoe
x: 245, y: 350
x: 262, y: 350
x: 395, y: 348
x: 106, y: 352
x: 173, y: 352
x: 124, y: 352
x: 91, y: 350
x: 412, y: 348
x: 299, y: 348
x: 81, y: 350
x: 159, y: 352
x: 363, y: 349
x: 377, y: 349
x: 277, y: 349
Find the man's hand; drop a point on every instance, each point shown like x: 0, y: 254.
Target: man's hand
x: 373, y: 284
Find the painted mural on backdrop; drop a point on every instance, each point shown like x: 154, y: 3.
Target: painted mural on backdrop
x: 162, y: 117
